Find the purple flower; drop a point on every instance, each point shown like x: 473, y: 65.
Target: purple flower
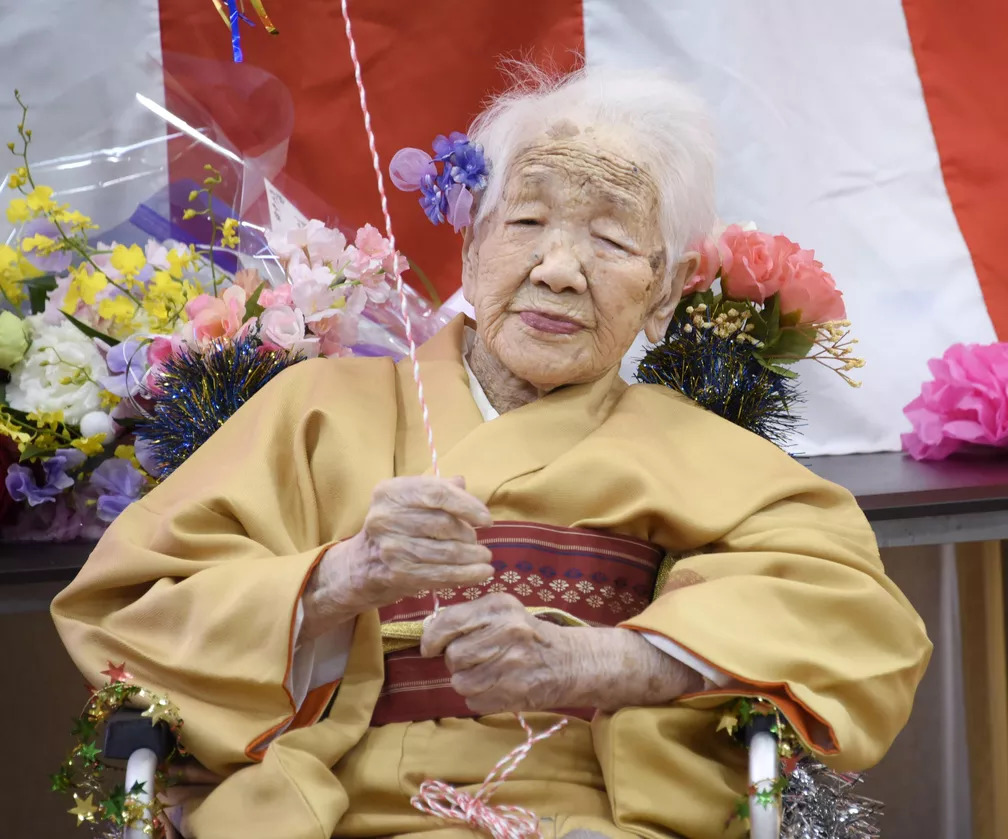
x: 22, y: 486
x: 146, y: 456
x: 119, y: 485
x: 52, y: 263
x: 433, y: 198
x: 459, y: 210
x: 128, y: 364
x: 447, y: 195
x: 468, y: 167
x: 445, y: 147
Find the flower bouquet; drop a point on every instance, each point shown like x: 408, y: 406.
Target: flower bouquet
x: 756, y: 305
x: 119, y: 359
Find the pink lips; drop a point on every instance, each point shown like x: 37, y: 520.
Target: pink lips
x: 550, y: 323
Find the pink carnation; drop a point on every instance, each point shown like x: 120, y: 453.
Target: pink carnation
x: 757, y: 264
x: 965, y: 406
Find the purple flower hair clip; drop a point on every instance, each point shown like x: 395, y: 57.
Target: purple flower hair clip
x: 445, y: 195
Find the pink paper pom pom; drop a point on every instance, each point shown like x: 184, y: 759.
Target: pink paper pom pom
x: 964, y: 407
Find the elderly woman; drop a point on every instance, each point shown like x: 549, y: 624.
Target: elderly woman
x: 275, y: 586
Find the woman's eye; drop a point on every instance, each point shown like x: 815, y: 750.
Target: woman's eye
x: 612, y: 243
x: 526, y: 222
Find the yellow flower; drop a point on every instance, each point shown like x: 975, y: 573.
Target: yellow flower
x: 108, y: 400
x: 84, y: 286
x: 40, y: 200
x: 89, y: 445
x: 119, y: 309
x: 18, y: 178
x: 47, y: 419
x: 43, y: 244
x: 9, y: 428
x: 128, y: 453
x: 37, y: 202
x: 229, y: 234
x: 13, y: 268
x: 18, y: 211
x: 179, y: 260
x: 75, y: 220
x: 128, y: 261
x: 188, y: 214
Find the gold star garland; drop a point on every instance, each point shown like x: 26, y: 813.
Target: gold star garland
x: 83, y: 773
x: 734, y: 721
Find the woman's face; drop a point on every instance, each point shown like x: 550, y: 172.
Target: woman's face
x: 570, y: 265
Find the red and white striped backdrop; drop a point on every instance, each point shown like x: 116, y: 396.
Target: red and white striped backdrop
x: 871, y: 130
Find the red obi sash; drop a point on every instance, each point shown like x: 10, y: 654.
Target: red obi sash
x: 568, y: 575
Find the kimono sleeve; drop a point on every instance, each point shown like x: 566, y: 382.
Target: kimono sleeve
x: 196, y: 586
x: 793, y: 603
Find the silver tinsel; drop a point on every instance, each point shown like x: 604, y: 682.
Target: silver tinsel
x: 821, y: 804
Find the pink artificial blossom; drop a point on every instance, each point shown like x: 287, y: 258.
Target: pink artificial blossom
x: 756, y: 267
x: 281, y: 295
x: 715, y: 256
x: 211, y: 318
x: 162, y: 348
x: 371, y: 261
x: 282, y: 327
x: 808, y: 289
x: 248, y: 280
x: 965, y: 406
x: 313, y: 240
x: 337, y: 333
x: 408, y: 166
x: 312, y: 296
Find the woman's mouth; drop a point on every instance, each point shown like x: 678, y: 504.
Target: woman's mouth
x: 555, y: 324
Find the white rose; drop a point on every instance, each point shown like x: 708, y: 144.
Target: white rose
x: 58, y: 373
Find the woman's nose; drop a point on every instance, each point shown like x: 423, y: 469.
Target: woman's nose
x: 560, y: 268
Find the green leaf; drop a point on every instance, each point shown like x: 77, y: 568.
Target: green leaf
x: 775, y: 368
x: 38, y: 290
x: 32, y: 451
x: 771, y: 316
x: 791, y: 345
x: 90, y: 331
x: 252, y: 307
x: 790, y: 319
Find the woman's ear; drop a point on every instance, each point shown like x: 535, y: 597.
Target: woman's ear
x: 657, y: 321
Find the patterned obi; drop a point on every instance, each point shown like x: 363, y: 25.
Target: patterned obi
x: 567, y: 575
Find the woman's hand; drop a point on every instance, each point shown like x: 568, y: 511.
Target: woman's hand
x: 503, y: 659
x: 419, y: 534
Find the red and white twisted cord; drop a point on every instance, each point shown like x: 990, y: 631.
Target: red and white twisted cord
x: 436, y: 797
x: 407, y: 323
x: 501, y: 822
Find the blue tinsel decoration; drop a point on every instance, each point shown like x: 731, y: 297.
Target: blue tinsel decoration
x: 723, y: 376
x: 197, y: 391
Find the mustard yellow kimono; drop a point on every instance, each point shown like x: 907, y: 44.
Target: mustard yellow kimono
x: 196, y: 587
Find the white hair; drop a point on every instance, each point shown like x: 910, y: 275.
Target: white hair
x: 663, y: 118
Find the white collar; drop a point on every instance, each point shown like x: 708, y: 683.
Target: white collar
x: 488, y: 411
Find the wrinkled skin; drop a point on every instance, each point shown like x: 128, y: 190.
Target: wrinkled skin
x: 419, y: 534
x: 563, y: 274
